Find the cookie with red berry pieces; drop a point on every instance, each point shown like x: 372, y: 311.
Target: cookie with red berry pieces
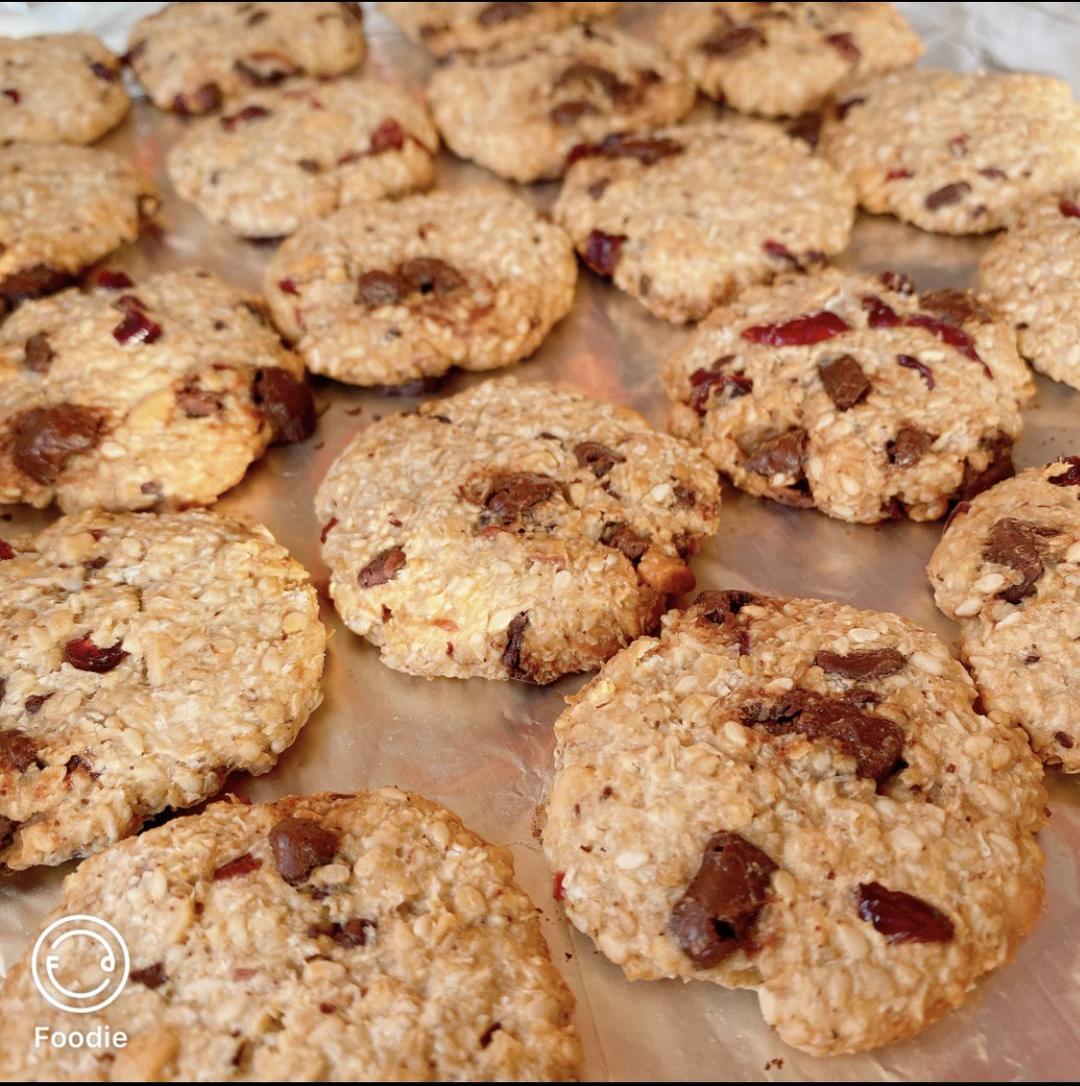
x: 521, y: 108
x: 192, y: 57
x: 280, y: 157
x: 511, y: 532
x: 59, y: 88
x: 449, y: 28
x: 854, y: 395
x: 143, y: 658
x: 393, y: 292
x: 1032, y: 273
x: 783, y: 60
x: 954, y: 152
x: 137, y: 395
x: 680, y: 220
x: 797, y: 797
x: 1008, y: 570
x: 61, y: 209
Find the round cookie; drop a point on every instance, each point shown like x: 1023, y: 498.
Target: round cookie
x: 1032, y: 273
x: 449, y: 28
x: 521, y: 108
x: 191, y: 57
x: 512, y: 531
x: 954, y: 152
x: 367, y: 937
x: 854, y: 395
x: 381, y: 294
x: 784, y: 59
x: 680, y: 219
x: 143, y: 658
x: 798, y: 797
x: 62, y: 208
x: 282, y: 156
x: 59, y: 88
x: 1008, y: 570
x: 134, y: 395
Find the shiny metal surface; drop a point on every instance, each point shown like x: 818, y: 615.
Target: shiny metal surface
x: 484, y: 749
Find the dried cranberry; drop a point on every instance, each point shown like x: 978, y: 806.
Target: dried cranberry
x: 781, y: 252
x: 150, y: 976
x: 299, y: 846
x: 203, y: 100
x: 645, y: 149
x: 511, y: 655
x: 598, y: 458
x: 1069, y: 209
x: 104, y: 72
x: 84, y: 655
x: 705, y: 382
x: 879, y: 315
x: 557, y: 885
x: 992, y: 173
x: 108, y: 279
x: 898, y: 174
x: 947, y: 333
x: 947, y: 195
x: 138, y: 328
x: 244, y: 116
x: 844, y: 107
x: 287, y: 286
x: 34, y: 703
x: 388, y: 136
x: 12, y: 95
x: 845, y: 45
x: 958, y: 145
x: 1071, y: 475
x: 897, y: 282
x: 243, y: 864
x: 902, y: 918
x: 924, y: 371
x: 384, y: 567
x: 37, y: 353
x: 6, y: 553
x: 800, y: 332
x: 353, y: 932
x: 327, y: 528
x: 45, y: 438
x: 602, y: 251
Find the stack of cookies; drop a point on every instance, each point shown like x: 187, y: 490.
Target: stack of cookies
x: 791, y: 795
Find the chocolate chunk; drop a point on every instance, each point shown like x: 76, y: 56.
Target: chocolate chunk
x: 45, y: 438
x: 1019, y: 545
x: 244, y: 116
x: 33, y: 282
x: 1000, y: 467
x: 570, y: 112
x: 207, y: 98
x: 353, y: 932
x: 376, y: 288
x: 37, y: 354
x: 265, y: 69
x: 243, y: 864
x: 1063, y: 739
x: 384, y: 567
x: 947, y: 195
x: 780, y: 455
x: 8, y: 826
x: 958, y: 306
x: 513, y: 494
x: 909, y: 446
x: 602, y: 251
x: 511, y: 656
x: 729, y: 42
x: 646, y: 149
x: 583, y: 71
x: 285, y: 402
x: 720, y: 609
x: 844, y: 381
x: 104, y: 72
x: 84, y: 655
x: 150, y: 976
x: 18, y: 752
x: 861, y: 664
x: 806, y: 127
x: 599, y: 458
x: 428, y: 275
x: 299, y: 846
x: 503, y: 12
x: 714, y: 916
x: 623, y: 538
x: 309, y: 165
x: 902, y: 918
x: 1071, y: 475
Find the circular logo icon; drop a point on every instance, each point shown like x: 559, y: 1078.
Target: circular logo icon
x: 80, y: 963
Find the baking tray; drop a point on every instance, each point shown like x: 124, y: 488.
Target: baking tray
x: 485, y: 749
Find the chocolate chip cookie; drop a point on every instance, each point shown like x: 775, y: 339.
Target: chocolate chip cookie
x: 130, y: 395
x: 680, y: 218
x: 511, y: 532
x: 385, y: 293
x: 954, y: 152
x: 1032, y: 273
x: 192, y: 57
x: 797, y: 797
x: 858, y: 396
x: 1008, y: 569
x: 62, y: 208
x: 143, y: 658
x: 448, y: 28
x: 521, y: 108
x: 367, y: 937
x: 784, y: 59
x: 59, y: 88
x: 279, y: 157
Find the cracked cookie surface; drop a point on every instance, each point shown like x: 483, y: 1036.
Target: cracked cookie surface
x: 855, y: 395
x: 798, y: 797
x: 521, y: 108
x: 1008, y: 570
x: 954, y: 152
x: 784, y: 59
x: 134, y: 395
x: 143, y: 658
x: 512, y: 531
x: 366, y: 937
x: 680, y: 220
x: 59, y: 88
x: 389, y: 293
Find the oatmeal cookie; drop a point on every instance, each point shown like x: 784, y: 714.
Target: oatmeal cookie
x: 192, y: 57
x: 797, y: 797
x: 143, y: 658
x: 366, y: 937
x: 679, y: 218
x: 784, y: 59
x: 381, y: 294
x: 448, y: 28
x: 855, y: 395
x: 61, y: 209
x: 132, y: 395
x: 1032, y: 273
x: 954, y: 152
x: 59, y: 88
x: 1008, y: 569
x: 521, y: 108
x: 282, y: 156
x: 511, y: 532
